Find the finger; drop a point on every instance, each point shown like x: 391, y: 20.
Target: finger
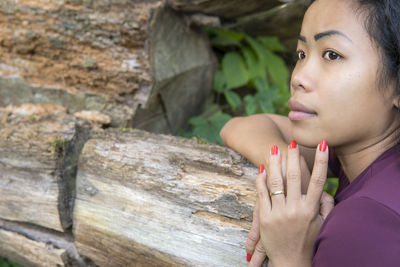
x: 259, y: 256
x: 275, y: 180
x: 254, y: 234
x: 318, y: 176
x: 293, y: 174
x: 264, y: 204
x: 327, y: 204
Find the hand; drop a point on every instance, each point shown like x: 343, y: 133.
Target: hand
x: 289, y: 226
x: 254, y: 249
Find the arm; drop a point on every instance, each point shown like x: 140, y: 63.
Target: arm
x: 253, y: 136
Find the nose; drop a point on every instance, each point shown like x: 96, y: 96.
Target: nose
x: 303, y: 76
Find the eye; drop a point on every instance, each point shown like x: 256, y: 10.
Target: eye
x: 300, y: 55
x: 331, y: 55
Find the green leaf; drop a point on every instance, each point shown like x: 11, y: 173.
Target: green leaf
x: 251, y: 105
x: 266, y: 99
x: 277, y: 69
x: 257, y: 47
x: 223, y: 40
x: 219, y: 81
x: 197, y: 121
x: 210, y: 130
x: 233, y: 99
x: 271, y: 43
x: 261, y: 85
x: 219, y: 120
x: 205, y: 132
x: 254, y: 65
x: 239, y: 36
x: 331, y: 186
x: 234, y: 69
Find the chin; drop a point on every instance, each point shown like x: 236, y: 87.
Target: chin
x: 304, y: 138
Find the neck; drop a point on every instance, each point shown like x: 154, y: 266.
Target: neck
x: 357, y: 157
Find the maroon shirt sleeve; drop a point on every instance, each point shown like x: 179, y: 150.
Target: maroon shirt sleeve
x: 359, y: 232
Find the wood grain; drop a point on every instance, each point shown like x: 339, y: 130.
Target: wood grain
x: 145, y: 199
x: 38, y: 157
x: 117, y: 57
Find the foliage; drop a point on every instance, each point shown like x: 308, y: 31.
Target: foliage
x: 251, y: 79
x: 331, y: 186
x: 7, y: 263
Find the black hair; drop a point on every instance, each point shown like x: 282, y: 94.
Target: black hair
x: 382, y: 23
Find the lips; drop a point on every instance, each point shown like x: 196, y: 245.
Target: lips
x: 297, y: 106
x: 299, y: 111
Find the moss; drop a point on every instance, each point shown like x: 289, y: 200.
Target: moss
x: 32, y: 118
x: 122, y: 129
x: 133, y: 130
x: 58, y: 144
x: 201, y: 141
x: 89, y: 63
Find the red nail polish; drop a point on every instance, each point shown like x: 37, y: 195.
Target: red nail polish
x: 248, y: 258
x: 292, y: 144
x: 322, y: 146
x: 274, y: 150
x: 261, y: 169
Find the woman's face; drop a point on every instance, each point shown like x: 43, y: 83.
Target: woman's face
x: 334, y: 86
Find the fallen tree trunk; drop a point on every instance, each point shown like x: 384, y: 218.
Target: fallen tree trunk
x: 39, y: 149
x: 126, y: 59
x: 139, y: 199
x: 161, y: 201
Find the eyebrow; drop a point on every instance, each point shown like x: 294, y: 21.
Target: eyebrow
x: 321, y: 35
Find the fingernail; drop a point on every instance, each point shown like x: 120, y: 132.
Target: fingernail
x: 274, y: 150
x: 322, y: 146
x: 248, y: 258
x: 261, y: 169
x: 292, y: 144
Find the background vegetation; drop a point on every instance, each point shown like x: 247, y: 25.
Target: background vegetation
x: 7, y: 263
x: 252, y: 77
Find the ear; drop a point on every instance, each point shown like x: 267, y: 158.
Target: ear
x: 396, y: 101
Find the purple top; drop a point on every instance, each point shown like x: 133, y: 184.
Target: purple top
x: 363, y: 229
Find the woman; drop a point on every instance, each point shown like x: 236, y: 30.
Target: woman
x: 345, y: 93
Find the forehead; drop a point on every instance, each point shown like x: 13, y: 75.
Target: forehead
x: 340, y: 15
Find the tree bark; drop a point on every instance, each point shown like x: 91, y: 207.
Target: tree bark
x: 264, y: 17
x: 139, y: 199
x: 226, y: 9
x: 161, y: 201
x: 120, y: 57
x: 39, y: 149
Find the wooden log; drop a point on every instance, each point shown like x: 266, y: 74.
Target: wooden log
x: 155, y: 200
x: 283, y: 21
x: 39, y: 147
x: 114, y: 56
x: 141, y: 199
x: 264, y: 17
x: 32, y: 246
x: 28, y: 252
x: 227, y: 9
